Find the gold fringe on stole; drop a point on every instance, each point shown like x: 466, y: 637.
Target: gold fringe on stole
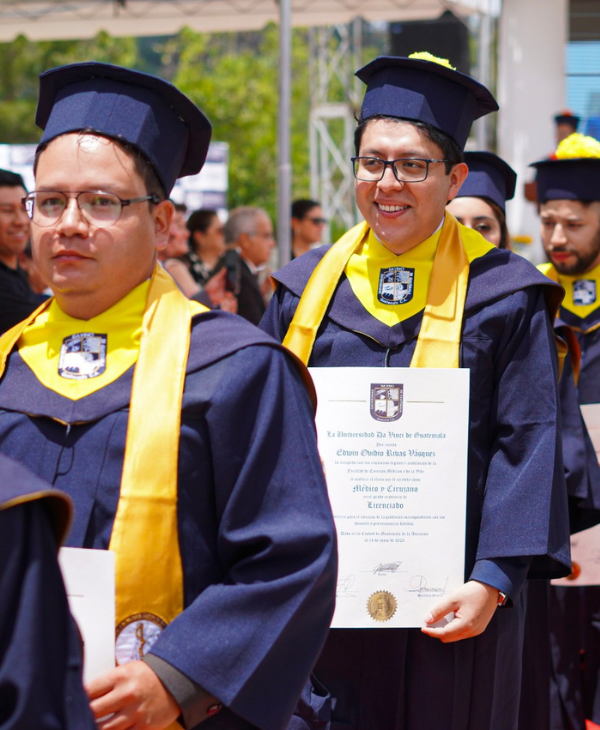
x: 438, y: 344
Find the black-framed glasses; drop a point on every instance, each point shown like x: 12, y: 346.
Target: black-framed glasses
x: 317, y: 221
x: 406, y: 169
x: 45, y: 207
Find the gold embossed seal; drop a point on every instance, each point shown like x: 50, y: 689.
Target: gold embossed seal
x: 381, y: 606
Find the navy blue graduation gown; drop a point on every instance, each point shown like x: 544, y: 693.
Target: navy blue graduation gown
x: 256, y: 534
x: 40, y: 651
x: 517, y: 523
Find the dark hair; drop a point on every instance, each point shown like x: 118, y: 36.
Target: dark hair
x: 500, y: 216
x: 143, y: 166
x: 10, y: 179
x: 179, y: 207
x: 301, y: 207
x: 200, y: 220
x: 451, y: 152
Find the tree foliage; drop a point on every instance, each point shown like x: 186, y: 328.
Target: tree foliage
x: 233, y: 77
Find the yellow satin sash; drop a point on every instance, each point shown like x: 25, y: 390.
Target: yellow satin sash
x: 149, y: 574
x: 438, y: 344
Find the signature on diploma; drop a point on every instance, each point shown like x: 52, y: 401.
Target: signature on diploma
x: 344, y: 585
x: 385, y: 568
x: 420, y: 586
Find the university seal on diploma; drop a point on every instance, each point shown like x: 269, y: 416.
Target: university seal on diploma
x: 381, y: 606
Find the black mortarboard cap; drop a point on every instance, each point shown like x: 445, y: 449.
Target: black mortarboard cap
x: 489, y: 177
x: 567, y: 117
x: 149, y: 113
x: 568, y: 179
x: 425, y: 91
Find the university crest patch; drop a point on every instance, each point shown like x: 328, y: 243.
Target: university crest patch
x: 584, y: 292
x: 82, y: 356
x: 387, y: 400
x: 396, y: 285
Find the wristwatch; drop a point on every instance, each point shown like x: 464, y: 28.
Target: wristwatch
x: 502, y: 598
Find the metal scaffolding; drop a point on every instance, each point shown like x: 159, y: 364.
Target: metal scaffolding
x: 335, y: 100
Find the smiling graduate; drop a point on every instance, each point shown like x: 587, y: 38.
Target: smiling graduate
x: 410, y: 287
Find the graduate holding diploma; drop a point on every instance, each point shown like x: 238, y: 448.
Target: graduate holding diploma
x: 457, y: 301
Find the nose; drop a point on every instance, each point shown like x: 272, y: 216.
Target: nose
x: 389, y: 179
x: 71, y: 220
x: 558, y: 237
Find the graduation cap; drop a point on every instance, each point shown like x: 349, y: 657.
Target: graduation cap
x: 489, y: 177
x: 147, y: 112
x: 568, y: 179
x: 422, y: 90
x: 567, y: 117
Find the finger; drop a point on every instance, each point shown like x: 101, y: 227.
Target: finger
x: 117, y: 721
x: 100, y: 685
x: 440, y: 610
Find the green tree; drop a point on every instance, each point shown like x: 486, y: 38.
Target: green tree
x: 22, y: 61
x: 234, y: 79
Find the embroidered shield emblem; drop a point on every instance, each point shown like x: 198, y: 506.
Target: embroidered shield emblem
x: 386, y: 401
x: 584, y: 292
x: 82, y: 356
x: 135, y: 636
x: 396, y: 285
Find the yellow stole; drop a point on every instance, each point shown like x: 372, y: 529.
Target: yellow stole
x: 149, y: 575
x: 438, y: 344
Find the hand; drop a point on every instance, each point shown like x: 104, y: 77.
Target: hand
x: 473, y: 604
x: 133, y: 698
x: 215, y: 287
x: 229, y: 303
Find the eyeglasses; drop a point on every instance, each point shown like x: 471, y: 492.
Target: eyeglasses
x: 407, y: 169
x: 45, y: 207
x: 317, y: 221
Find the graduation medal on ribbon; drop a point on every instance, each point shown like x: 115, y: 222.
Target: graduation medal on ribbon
x: 136, y: 635
x: 584, y: 292
x: 395, y: 285
x: 82, y: 356
x: 386, y: 401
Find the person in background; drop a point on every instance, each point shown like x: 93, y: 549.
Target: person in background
x: 34, y: 278
x: 307, y: 226
x: 249, y: 237
x: 17, y: 300
x: 566, y: 124
x: 206, y: 243
x: 332, y: 309
x: 569, y: 208
x: 126, y: 394
x: 481, y: 201
x: 40, y: 649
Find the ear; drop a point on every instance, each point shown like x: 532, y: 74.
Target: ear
x: 458, y: 174
x: 243, y: 242
x: 162, y: 214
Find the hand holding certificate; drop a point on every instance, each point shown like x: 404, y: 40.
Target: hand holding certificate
x: 395, y: 457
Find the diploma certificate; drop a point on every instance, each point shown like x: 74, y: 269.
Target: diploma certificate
x: 89, y: 577
x: 393, y: 442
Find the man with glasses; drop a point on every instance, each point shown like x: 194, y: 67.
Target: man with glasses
x: 410, y: 286
x: 17, y: 300
x: 249, y: 237
x: 173, y: 428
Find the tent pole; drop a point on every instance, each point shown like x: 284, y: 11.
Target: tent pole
x: 284, y: 187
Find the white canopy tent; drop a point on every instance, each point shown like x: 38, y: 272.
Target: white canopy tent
x: 58, y: 19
